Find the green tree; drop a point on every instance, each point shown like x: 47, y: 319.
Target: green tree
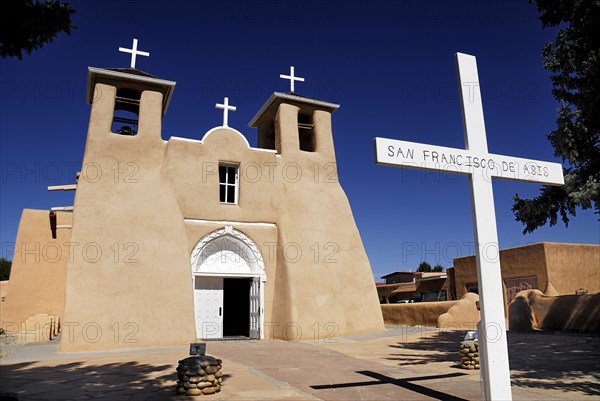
x: 424, y: 267
x: 5, y: 266
x: 574, y: 61
x: 28, y: 25
x: 438, y: 268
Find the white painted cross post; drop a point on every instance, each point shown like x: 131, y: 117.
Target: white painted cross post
x: 481, y: 167
x: 292, y: 78
x: 226, y: 107
x: 134, y: 52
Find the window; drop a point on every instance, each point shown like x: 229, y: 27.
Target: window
x: 228, y: 183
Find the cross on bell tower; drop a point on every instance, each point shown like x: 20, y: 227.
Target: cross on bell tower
x: 134, y: 52
x: 291, y: 78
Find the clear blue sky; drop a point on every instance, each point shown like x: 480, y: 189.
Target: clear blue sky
x: 390, y: 64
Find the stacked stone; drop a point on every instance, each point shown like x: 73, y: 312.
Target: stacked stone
x: 199, y: 375
x: 469, y: 354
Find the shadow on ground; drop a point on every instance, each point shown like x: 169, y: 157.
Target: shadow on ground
x: 436, y: 346
x: 83, y: 381
x: 567, y: 362
x: 406, y: 383
x: 563, y: 362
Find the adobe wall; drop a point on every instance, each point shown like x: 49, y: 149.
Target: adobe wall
x: 532, y: 311
x: 463, y: 315
x: 37, y: 277
x: 526, y: 261
x: 560, y: 269
x: 3, y: 297
x: 334, y: 285
x: 163, y: 185
x: 133, y: 287
x: 317, y: 238
x: 573, y: 266
x: 415, y: 314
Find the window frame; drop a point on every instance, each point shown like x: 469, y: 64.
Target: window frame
x: 236, y: 185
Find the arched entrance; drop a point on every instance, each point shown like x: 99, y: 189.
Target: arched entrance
x: 228, y: 275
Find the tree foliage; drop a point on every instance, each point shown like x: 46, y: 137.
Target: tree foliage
x: 28, y: 25
x: 438, y: 268
x: 424, y: 267
x: 5, y: 266
x: 574, y: 61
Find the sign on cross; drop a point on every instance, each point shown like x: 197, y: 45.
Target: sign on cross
x: 226, y: 107
x: 134, y: 52
x: 481, y: 167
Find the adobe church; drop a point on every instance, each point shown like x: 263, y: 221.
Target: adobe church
x: 170, y: 241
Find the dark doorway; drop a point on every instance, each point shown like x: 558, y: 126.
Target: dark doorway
x: 236, y: 307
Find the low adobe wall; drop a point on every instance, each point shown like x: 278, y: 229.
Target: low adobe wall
x: 463, y: 315
x: 416, y: 314
x: 531, y: 310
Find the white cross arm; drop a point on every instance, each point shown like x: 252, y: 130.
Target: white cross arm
x: 393, y: 152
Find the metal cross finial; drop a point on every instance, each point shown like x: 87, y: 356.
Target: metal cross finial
x: 226, y: 107
x: 134, y: 52
x: 292, y: 78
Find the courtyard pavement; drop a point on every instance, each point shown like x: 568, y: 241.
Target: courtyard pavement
x: 402, y: 363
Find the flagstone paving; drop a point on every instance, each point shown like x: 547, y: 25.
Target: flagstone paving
x: 399, y: 364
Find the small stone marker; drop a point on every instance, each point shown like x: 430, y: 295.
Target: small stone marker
x: 469, y: 351
x: 198, y: 375
x: 481, y: 166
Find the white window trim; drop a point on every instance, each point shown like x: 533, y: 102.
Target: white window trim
x: 236, y: 185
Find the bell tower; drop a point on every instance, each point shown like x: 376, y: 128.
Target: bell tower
x: 290, y: 123
x: 118, y: 93
x: 314, y: 213
x: 130, y: 216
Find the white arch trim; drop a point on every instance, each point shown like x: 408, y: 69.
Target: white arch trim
x: 251, y: 253
x: 227, y: 128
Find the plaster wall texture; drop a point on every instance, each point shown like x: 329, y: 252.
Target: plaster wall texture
x: 3, y: 297
x: 415, y: 314
x: 523, y: 261
x: 165, y: 199
x: 37, y: 277
x: 573, y: 266
x: 559, y: 269
x: 3, y: 288
x: 531, y: 310
x: 139, y: 295
x: 463, y: 315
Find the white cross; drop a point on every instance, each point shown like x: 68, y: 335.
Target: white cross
x: 134, y: 52
x: 480, y: 166
x: 226, y: 107
x: 292, y: 78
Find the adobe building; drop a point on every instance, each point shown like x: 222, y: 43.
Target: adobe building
x: 36, y: 302
x: 414, y: 287
x: 174, y: 240
x: 553, y: 268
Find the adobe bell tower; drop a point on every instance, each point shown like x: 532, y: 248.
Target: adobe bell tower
x: 129, y: 238
x: 315, y: 219
x: 123, y: 95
